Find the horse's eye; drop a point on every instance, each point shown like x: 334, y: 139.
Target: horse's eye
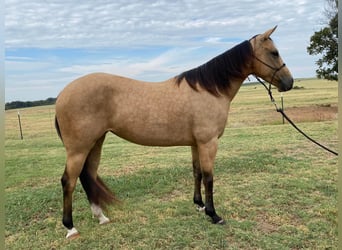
x: 275, y: 53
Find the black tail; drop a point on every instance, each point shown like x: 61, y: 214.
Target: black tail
x: 97, y: 192
x: 57, y: 128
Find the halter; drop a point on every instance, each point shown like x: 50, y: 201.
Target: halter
x: 266, y: 64
x: 271, y: 67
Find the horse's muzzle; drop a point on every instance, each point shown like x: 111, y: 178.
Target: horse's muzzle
x: 285, y: 84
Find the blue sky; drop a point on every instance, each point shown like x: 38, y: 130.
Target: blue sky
x: 49, y: 43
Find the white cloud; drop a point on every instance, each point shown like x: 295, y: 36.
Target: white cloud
x: 88, y: 23
x: 167, y: 64
x: 190, y: 33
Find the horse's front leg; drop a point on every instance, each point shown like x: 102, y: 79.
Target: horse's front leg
x: 197, y: 178
x: 207, y: 153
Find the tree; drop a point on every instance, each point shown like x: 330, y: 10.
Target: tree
x: 20, y: 104
x: 325, y: 42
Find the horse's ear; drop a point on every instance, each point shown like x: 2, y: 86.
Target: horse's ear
x: 268, y: 33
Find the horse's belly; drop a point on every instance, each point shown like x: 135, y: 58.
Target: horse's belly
x: 154, y: 133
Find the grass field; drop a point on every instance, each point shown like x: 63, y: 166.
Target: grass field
x: 275, y: 189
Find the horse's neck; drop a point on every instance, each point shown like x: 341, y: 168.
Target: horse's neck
x: 234, y: 88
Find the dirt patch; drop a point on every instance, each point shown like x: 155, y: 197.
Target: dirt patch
x: 314, y: 113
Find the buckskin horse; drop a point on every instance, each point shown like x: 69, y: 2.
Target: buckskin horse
x: 190, y: 109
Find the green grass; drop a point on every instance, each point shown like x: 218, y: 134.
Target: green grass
x: 275, y: 189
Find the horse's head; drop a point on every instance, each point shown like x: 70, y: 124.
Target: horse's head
x: 268, y: 64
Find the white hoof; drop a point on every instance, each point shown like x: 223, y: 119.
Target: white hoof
x: 103, y: 220
x: 200, y: 209
x: 72, y: 233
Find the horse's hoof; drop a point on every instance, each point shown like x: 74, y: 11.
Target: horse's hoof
x: 200, y: 209
x: 221, y: 222
x: 72, y: 234
x: 104, y: 221
x: 217, y: 220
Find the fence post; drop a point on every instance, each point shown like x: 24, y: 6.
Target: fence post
x: 282, y: 106
x: 21, y: 131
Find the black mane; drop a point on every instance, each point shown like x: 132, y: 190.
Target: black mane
x: 215, y: 76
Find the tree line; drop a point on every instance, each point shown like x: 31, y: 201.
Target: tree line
x: 27, y: 104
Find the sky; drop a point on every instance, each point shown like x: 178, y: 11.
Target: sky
x: 49, y: 43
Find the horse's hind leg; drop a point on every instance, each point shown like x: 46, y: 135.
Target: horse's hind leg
x: 72, y: 171
x: 97, y: 193
x: 197, y: 178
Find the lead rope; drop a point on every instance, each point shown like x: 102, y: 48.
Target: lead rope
x: 281, y: 111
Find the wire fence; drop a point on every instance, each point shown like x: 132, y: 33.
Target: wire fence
x: 30, y: 123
